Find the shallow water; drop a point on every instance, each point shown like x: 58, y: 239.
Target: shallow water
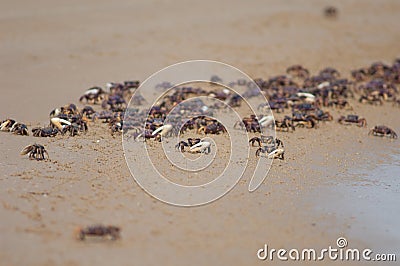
x: 368, y: 201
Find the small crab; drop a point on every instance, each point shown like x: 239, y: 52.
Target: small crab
x: 251, y: 124
x: 284, y: 125
x: 330, y: 12
x: 383, y: 131
x: 7, y: 124
x: 298, y: 71
x: 213, y: 128
x: 35, y: 151
x: 303, y: 120
x: 190, y: 142
x: 20, y: 129
x: 88, y: 112
x: 113, y: 232
x: 353, y: 119
x: 265, y: 139
x: 116, y: 125
x: 93, y: 95
x: 73, y: 129
x: 44, y: 132
x: 272, y: 152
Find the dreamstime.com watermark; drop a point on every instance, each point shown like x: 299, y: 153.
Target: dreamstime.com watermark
x: 340, y: 252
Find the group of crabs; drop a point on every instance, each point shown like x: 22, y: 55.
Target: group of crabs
x: 298, y: 91
x: 304, y: 95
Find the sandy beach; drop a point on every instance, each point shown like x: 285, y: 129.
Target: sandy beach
x: 336, y: 181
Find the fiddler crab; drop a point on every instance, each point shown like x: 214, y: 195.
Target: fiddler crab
x: 195, y: 146
x: 102, y: 231
x: 330, y: 12
x: 266, y: 140
x: 93, y: 95
x: 35, y: 151
x: 274, y: 149
x: 383, y: 131
x: 353, y: 119
x: 44, y: 132
x: 10, y: 125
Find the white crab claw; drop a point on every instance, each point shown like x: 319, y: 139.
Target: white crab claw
x: 323, y: 85
x: 163, y: 130
x: 306, y: 94
x: 3, y: 127
x: 266, y: 121
x: 276, y: 153
x: 309, y: 97
x: 92, y: 91
x: 109, y: 85
x: 59, y: 122
x: 201, y: 147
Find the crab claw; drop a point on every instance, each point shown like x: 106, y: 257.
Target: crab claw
x: 277, y: 153
x: 7, y: 124
x: 26, y: 150
x: 163, y: 130
x: 59, y: 123
x: 266, y: 121
x: 201, y: 147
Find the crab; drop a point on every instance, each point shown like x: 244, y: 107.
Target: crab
x: 303, y: 120
x: 7, y: 124
x: 265, y: 139
x: 190, y: 142
x: 304, y: 107
x: 81, y: 122
x: 131, y: 84
x: 383, y: 131
x: 44, y: 132
x: 115, y: 103
x: 353, y: 119
x: 360, y: 74
x: 298, y: 71
x: 284, y: 125
x: 272, y: 152
x: 330, y: 12
x: 216, y: 79
x: 339, y: 103
x: 329, y: 72
x: 212, y: 128
x: 20, y: 129
x: 73, y: 129
x: 277, y: 106
x: 371, y: 99
x: 320, y: 115
x: 88, y: 112
x: 69, y: 109
x: 116, y: 125
x: 250, y: 123
x: 35, y: 151
x: 93, y: 95
x: 111, y: 231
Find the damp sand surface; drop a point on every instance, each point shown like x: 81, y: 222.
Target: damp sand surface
x: 335, y: 180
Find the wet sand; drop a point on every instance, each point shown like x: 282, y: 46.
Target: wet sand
x: 51, y: 53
